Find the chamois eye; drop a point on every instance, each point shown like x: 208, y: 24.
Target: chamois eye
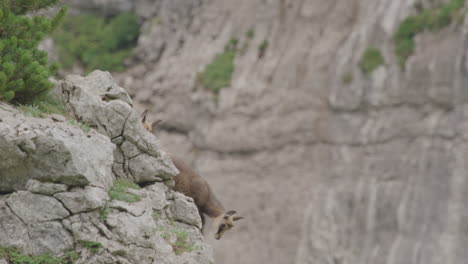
x: 222, y: 226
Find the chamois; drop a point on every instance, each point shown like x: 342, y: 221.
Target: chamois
x: 193, y: 185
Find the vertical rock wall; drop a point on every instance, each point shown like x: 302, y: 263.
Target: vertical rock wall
x: 364, y: 169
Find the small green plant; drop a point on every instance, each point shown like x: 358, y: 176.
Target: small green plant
x: 232, y: 45
x: 83, y: 126
x: 93, y: 246
x: 103, y: 213
x: 71, y: 257
x: 218, y: 73
x: 156, y: 20
x: 97, y: 42
x: 14, y: 256
x: 371, y: 59
x: 31, y: 110
x: 24, y: 69
x: 166, y: 235
x: 262, y: 48
x: 120, y: 191
x: 432, y: 19
x: 43, y: 105
x: 181, y: 243
x: 156, y: 214
x: 250, y: 34
x: 347, y: 78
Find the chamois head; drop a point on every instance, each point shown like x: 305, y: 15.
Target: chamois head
x: 146, y: 124
x: 226, y: 222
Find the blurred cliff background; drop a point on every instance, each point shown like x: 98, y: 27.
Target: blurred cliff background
x: 338, y: 128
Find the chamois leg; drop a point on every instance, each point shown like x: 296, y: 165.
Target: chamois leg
x: 202, y: 216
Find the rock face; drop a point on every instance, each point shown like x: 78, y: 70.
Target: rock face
x: 34, y: 148
x: 56, y: 182
x: 369, y: 168
x: 99, y: 102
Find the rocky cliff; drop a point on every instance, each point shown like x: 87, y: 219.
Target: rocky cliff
x: 67, y: 188
x: 330, y: 160
x: 328, y: 163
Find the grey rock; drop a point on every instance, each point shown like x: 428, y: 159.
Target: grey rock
x: 83, y: 200
x: 57, y: 118
x: 100, y: 102
x: 184, y: 210
x: 158, y: 195
x: 49, y: 237
x: 3, y: 261
x: 35, y: 148
x: 25, y: 223
x: 14, y: 231
x: 46, y: 188
x: 131, y: 233
x: 67, y: 175
x: 32, y: 208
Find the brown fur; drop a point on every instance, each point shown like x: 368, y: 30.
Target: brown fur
x: 193, y: 185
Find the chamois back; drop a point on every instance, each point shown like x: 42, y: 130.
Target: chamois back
x: 193, y: 185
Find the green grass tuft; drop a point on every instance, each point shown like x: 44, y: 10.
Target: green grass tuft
x: 42, y: 106
x: 14, y: 256
x: 432, y: 19
x: 347, y: 78
x: 31, y: 110
x: 93, y: 246
x: 218, y: 73
x: 182, y: 243
x: 103, y: 213
x: 250, y: 34
x: 371, y: 59
x: 262, y: 48
x: 85, y: 127
x: 120, y: 191
x: 156, y: 214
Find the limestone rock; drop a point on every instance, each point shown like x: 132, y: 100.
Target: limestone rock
x: 32, y: 208
x: 184, y: 210
x: 41, y: 149
x: 82, y: 200
x: 46, y: 188
x: 98, y: 101
x: 55, y: 178
x: 13, y: 229
x: 27, y: 223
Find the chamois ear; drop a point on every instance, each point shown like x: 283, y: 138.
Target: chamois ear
x: 237, y: 218
x: 154, y: 123
x: 230, y: 213
x: 143, y: 116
